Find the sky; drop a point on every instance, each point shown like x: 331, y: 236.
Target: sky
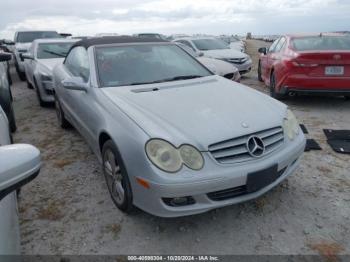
x: 89, y: 17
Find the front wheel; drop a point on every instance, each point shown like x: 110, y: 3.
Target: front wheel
x: 259, y: 72
x: 116, y: 177
x: 62, y: 121
x: 12, y: 119
x: 273, y: 91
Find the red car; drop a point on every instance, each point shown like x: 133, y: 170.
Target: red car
x: 306, y: 64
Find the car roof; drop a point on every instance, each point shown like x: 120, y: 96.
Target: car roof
x: 32, y: 31
x: 107, y: 40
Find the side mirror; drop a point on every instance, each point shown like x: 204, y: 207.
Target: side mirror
x: 262, y: 50
x: 19, y: 164
x: 200, y: 54
x: 5, y: 57
x: 25, y: 56
x: 75, y: 83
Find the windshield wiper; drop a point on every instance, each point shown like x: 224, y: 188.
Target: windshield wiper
x: 54, y: 53
x: 175, y: 78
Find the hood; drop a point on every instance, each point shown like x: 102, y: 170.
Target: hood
x: 23, y: 46
x: 218, y: 67
x: 224, y: 53
x: 198, y: 111
x: 50, y: 63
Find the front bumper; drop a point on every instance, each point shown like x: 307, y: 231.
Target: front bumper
x: 228, y: 177
x: 244, y: 68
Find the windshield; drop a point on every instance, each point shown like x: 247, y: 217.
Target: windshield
x: 28, y: 37
x: 145, y: 64
x: 53, y: 50
x: 210, y: 44
x: 321, y: 43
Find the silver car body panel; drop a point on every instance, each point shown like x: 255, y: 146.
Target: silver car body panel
x: 9, y: 226
x: 199, y: 112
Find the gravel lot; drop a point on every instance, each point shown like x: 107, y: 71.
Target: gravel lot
x: 67, y: 209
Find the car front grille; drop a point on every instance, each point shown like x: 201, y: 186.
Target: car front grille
x: 237, y: 60
x: 229, y: 76
x: 235, y: 150
x: 235, y: 191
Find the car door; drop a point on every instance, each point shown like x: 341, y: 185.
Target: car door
x: 30, y: 65
x: 265, y: 66
x: 80, y: 104
x: 9, y: 227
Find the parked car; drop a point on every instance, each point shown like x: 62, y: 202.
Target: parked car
x: 218, y: 49
x: 173, y: 138
x: 41, y: 58
x: 4, y: 47
x: 19, y: 164
x: 23, y: 40
x: 306, y: 64
x: 6, y: 98
x: 217, y: 66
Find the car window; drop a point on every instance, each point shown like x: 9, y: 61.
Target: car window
x: 280, y: 44
x: 187, y: 49
x: 143, y: 64
x: 77, y: 62
x: 28, y: 37
x: 321, y: 43
x: 187, y: 44
x: 273, y: 46
x: 210, y: 44
x: 53, y: 50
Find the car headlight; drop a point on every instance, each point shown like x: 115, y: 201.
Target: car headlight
x: 170, y: 159
x: 291, y: 125
x: 191, y: 157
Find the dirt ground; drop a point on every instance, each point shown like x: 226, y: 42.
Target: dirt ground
x: 67, y: 209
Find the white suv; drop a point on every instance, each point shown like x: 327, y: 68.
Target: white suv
x: 23, y: 40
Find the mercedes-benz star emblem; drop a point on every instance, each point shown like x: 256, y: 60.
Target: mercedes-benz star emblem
x: 255, y: 146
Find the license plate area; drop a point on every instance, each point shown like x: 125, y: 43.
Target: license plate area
x: 262, y: 178
x: 334, y: 70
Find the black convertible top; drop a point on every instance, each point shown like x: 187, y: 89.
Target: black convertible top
x: 115, y: 40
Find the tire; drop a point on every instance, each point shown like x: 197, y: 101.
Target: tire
x: 12, y: 120
x: 117, y: 179
x: 62, y: 121
x: 259, y: 72
x: 21, y: 75
x: 29, y: 85
x: 40, y: 100
x: 273, y: 92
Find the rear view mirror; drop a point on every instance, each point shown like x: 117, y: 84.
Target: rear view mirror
x: 26, y: 56
x: 19, y: 164
x: 5, y: 57
x: 75, y: 83
x: 262, y: 50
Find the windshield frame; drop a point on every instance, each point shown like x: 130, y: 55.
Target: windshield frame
x: 96, y: 69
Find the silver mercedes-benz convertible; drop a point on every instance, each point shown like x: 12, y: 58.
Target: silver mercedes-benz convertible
x: 173, y: 138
